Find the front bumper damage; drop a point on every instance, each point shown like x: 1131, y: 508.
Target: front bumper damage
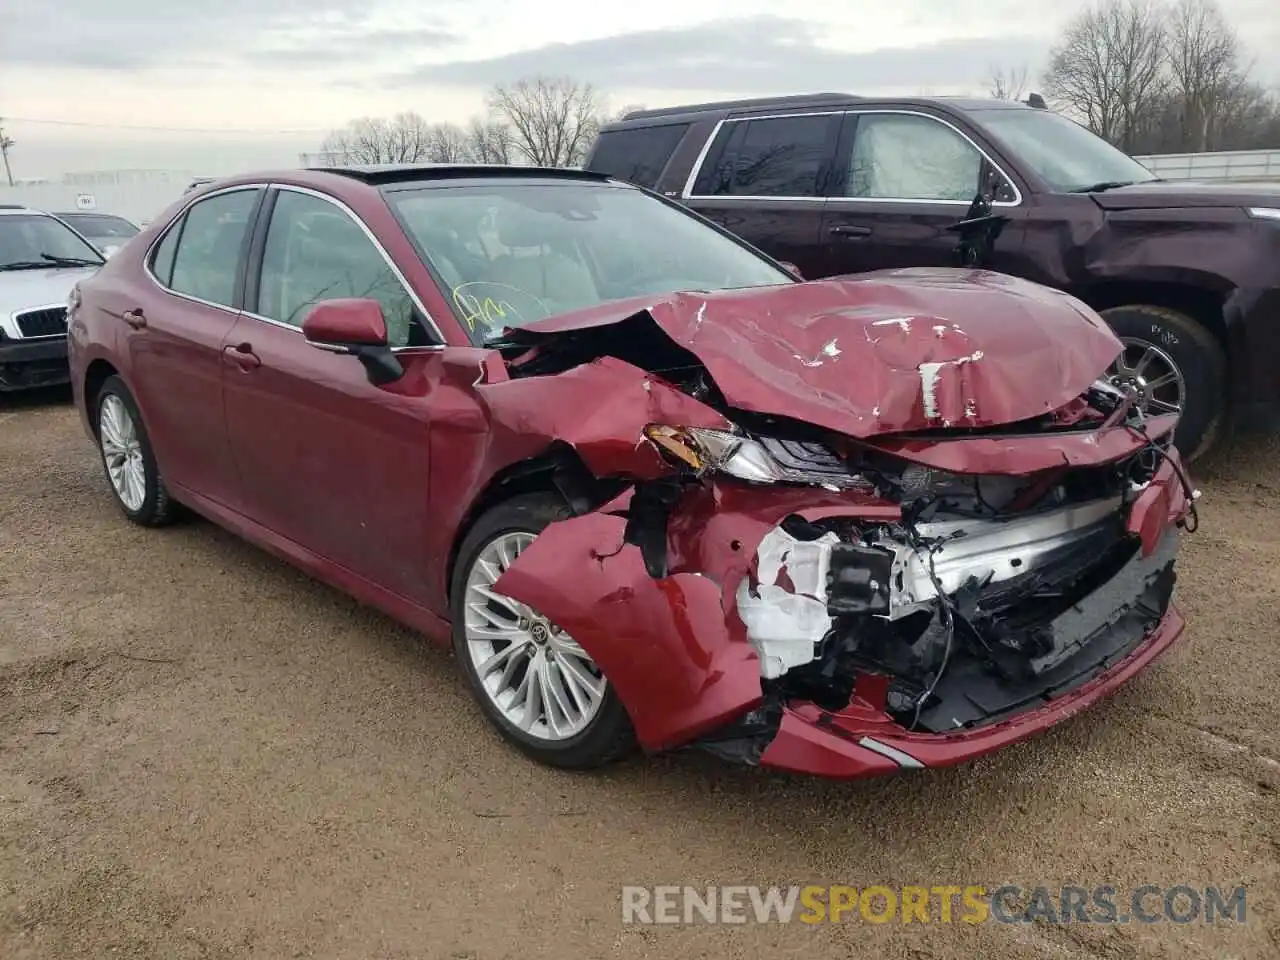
x: 793, y: 653
x: 849, y: 527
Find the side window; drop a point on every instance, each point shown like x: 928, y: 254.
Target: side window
x: 773, y: 157
x: 903, y: 156
x: 207, y: 259
x: 162, y: 258
x: 638, y: 154
x: 315, y: 252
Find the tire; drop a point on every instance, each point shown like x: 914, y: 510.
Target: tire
x: 608, y: 734
x: 154, y: 508
x: 1197, y: 357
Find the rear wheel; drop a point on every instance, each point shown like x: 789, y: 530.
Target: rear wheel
x: 128, y: 459
x: 533, y: 681
x: 1176, y: 366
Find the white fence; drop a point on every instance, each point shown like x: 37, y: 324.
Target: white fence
x: 141, y: 197
x: 1233, y: 165
x: 138, y: 202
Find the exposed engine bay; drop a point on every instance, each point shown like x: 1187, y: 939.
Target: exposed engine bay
x: 950, y: 569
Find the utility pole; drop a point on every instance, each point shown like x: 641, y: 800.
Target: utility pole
x: 5, y: 144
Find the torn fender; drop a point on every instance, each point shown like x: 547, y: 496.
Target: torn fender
x: 664, y: 644
x: 674, y: 647
x: 600, y: 409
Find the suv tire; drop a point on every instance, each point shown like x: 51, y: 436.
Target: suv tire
x: 1196, y: 356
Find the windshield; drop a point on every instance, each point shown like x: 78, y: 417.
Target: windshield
x: 513, y: 253
x: 1066, y: 155
x: 28, y: 241
x: 101, y: 225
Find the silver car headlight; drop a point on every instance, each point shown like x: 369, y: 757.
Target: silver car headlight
x: 755, y: 459
x: 1263, y: 213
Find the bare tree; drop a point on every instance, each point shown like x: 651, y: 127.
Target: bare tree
x: 448, y: 144
x: 1110, y: 67
x: 553, y: 120
x: 1204, y: 58
x: 405, y: 138
x: 1008, y: 84
x: 489, y: 141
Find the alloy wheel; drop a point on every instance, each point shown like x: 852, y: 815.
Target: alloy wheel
x: 1152, y: 374
x: 122, y: 452
x: 536, y: 675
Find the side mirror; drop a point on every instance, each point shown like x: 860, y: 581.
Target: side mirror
x: 356, y: 327
x: 792, y: 269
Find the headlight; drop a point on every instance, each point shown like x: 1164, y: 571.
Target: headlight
x: 1264, y: 213
x: 762, y: 460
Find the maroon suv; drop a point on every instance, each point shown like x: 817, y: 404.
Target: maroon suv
x: 1188, y: 275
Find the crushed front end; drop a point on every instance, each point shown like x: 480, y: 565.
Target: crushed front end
x: 991, y: 607
x: 800, y: 595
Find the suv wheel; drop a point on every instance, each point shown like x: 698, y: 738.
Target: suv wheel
x: 128, y: 459
x: 533, y: 681
x: 1177, y: 366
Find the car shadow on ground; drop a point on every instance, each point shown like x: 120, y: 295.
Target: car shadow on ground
x: 42, y: 398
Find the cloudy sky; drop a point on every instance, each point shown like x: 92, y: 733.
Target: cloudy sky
x: 262, y: 79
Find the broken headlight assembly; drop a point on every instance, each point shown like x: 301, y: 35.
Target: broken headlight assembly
x: 762, y: 460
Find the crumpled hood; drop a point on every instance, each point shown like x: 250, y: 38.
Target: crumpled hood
x: 884, y: 352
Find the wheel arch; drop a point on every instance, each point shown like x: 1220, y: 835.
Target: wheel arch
x: 95, y: 375
x: 558, y: 470
x: 1203, y: 304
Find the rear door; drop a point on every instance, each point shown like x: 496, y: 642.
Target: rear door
x: 176, y: 319
x: 764, y: 178
x: 325, y: 458
x: 901, y: 178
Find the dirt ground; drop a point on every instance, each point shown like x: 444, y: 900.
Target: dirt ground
x: 205, y: 754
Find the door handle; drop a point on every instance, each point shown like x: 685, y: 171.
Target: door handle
x: 134, y: 318
x: 242, y: 355
x: 850, y: 230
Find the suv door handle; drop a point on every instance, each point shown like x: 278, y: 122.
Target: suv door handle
x: 850, y: 230
x: 242, y: 355
x: 134, y: 318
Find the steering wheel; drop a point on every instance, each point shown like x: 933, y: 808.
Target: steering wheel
x: 490, y: 307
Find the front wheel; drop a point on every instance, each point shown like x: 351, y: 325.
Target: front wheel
x: 533, y: 681
x: 1176, y: 366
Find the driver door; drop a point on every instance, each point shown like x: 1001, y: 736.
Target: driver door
x: 324, y: 458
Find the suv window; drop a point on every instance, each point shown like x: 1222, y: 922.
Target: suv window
x: 904, y: 156
x: 207, y: 259
x: 315, y: 252
x: 637, y: 154
x: 773, y: 157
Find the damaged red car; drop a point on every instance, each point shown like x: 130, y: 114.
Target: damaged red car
x: 651, y: 487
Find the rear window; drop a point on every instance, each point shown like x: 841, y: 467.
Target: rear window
x: 770, y: 157
x: 637, y: 154
x: 101, y: 226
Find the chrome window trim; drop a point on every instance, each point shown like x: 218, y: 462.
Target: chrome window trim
x: 433, y: 327
x: 688, y: 193
x: 150, y: 253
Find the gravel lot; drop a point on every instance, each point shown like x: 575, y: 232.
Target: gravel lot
x: 205, y: 754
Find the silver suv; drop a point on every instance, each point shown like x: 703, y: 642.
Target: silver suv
x: 41, y: 259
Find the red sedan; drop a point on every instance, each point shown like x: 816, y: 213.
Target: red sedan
x: 652, y: 487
